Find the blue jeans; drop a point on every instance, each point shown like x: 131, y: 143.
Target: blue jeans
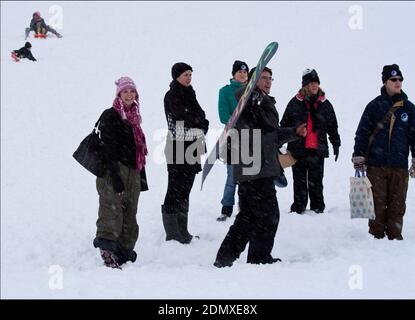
x: 228, y: 199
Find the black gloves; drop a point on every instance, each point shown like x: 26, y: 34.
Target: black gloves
x: 336, y: 152
x: 359, y: 163
x: 200, y: 123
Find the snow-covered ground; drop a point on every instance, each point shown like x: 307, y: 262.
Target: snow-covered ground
x: 49, y: 203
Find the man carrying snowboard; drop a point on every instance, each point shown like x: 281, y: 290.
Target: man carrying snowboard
x: 258, y: 217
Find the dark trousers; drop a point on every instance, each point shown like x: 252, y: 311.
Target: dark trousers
x: 389, y: 187
x: 117, y: 215
x: 180, y: 183
x: 308, y: 181
x: 35, y: 29
x: 256, y: 223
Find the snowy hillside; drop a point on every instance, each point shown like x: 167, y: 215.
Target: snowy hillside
x: 49, y: 202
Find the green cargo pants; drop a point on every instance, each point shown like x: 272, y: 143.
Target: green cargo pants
x: 117, y: 214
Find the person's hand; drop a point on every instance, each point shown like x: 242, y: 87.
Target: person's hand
x: 336, y: 152
x: 117, y: 184
x: 359, y: 163
x: 412, y: 169
x: 301, y: 130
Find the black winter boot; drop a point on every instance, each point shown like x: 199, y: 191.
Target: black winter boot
x: 110, y: 260
x: 281, y: 181
x: 297, y: 209
x: 267, y: 260
x: 126, y: 255
x: 110, y: 252
x: 171, y: 226
x: 226, y: 213
x: 222, y: 264
x: 106, y: 244
x: 182, y: 218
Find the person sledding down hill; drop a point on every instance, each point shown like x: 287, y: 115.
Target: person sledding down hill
x: 38, y: 25
x: 23, y: 52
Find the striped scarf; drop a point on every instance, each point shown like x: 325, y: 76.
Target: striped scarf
x: 132, y: 115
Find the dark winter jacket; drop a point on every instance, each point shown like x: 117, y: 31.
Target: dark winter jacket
x: 118, y: 146
x: 41, y: 23
x: 24, y: 53
x: 180, y: 104
x: 382, y: 152
x: 260, y: 113
x: 227, y: 100
x: 323, y: 119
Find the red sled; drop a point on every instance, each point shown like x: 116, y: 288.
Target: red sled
x: 40, y: 35
x: 15, y: 57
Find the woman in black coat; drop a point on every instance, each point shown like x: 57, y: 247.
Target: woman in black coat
x: 185, y: 143
x: 311, y: 106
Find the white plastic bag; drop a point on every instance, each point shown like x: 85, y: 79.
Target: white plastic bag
x: 361, y: 197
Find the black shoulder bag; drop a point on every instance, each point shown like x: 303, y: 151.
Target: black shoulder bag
x: 89, y: 153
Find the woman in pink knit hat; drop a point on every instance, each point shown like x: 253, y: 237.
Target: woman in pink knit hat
x: 125, y: 150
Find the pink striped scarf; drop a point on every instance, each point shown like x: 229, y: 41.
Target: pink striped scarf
x: 132, y: 115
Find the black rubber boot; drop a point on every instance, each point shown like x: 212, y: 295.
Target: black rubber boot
x: 267, y: 260
x: 171, y: 226
x: 182, y: 220
x: 222, y: 264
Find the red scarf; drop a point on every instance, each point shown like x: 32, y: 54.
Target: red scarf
x: 311, y: 140
x: 132, y: 115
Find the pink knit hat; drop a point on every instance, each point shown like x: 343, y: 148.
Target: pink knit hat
x: 125, y: 83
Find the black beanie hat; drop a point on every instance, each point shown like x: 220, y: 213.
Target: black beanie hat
x: 178, y: 68
x: 239, y: 65
x: 309, y: 75
x: 27, y: 45
x: 253, y: 70
x: 390, y: 71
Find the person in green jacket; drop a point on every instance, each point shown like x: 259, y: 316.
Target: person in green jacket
x: 227, y: 104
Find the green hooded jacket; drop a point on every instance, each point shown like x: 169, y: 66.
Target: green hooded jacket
x: 227, y: 101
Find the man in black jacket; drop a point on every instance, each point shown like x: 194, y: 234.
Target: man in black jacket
x: 260, y: 138
x: 384, y: 136
x: 311, y: 106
